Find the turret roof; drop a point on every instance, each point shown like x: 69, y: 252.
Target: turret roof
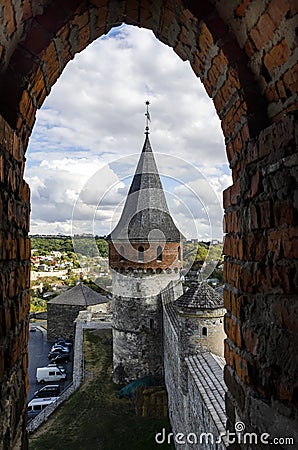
x: 145, y: 215
x: 200, y: 297
x: 79, y: 295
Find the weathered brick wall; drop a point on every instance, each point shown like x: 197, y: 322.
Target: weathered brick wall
x: 261, y: 271
x: 14, y: 289
x: 244, y: 51
x: 169, y: 257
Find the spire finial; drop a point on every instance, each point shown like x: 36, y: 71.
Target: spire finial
x: 148, y: 118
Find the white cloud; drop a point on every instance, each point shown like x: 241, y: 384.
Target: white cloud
x: 95, y: 114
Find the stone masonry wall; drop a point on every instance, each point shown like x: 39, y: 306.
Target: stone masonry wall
x: 191, y: 334
x: 60, y: 320
x: 188, y: 409
x: 137, y: 336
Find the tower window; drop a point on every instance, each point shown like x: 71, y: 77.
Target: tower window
x: 179, y: 253
x: 204, y: 331
x: 138, y: 287
x: 159, y: 253
x: 141, y: 254
x: 151, y: 324
x: 122, y: 258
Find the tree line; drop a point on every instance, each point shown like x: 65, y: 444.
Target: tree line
x: 43, y: 245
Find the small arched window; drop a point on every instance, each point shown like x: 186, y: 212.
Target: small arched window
x: 141, y: 254
x: 179, y: 253
x: 159, y: 253
x: 122, y: 258
x: 204, y: 331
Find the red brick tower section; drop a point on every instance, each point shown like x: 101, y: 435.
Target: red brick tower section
x: 245, y: 53
x: 160, y: 257
x: 146, y: 237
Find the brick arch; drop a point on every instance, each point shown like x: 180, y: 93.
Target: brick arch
x: 55, y: 36
x: 244, y: 53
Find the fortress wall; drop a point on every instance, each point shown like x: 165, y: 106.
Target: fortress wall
x: 188, y: 410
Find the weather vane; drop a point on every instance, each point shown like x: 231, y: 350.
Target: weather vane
x: 148, y: 118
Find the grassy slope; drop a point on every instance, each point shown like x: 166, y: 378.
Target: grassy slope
x: 93, y: 418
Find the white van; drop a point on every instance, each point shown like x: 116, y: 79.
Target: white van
x: 38, y: 404
x: 52, y: 373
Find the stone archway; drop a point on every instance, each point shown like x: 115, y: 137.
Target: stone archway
x: 245, y: 55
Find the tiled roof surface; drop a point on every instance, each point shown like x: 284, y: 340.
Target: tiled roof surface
x: 145, y: 214
x: 201, y: 296
x: 208, y: 376
x: 79, y: 295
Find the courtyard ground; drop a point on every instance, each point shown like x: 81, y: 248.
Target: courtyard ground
x: 93, y: 418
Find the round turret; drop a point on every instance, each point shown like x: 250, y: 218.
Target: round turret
x: 201, y: 311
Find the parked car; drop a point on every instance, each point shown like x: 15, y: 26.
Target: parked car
x: 36, y: 405
x: 62, y: 341
x: 57, y: 351
x: 50, y: 390
x: 55, y: 365
x: 58, y: 357
x: 60, y: 347
x: 53, y: 373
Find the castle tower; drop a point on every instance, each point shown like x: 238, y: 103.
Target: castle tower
x: 145, y: 254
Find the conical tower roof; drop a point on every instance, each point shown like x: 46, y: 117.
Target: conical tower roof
x: 145, y: 216
x: 200, y: 297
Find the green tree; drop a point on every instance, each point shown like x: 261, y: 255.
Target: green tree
x: 103, y: 247
x: 202, y: 252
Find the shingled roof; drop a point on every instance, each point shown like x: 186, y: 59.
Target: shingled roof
x: 146, y: 215
x: 79, y: 295
x: 201, y: 296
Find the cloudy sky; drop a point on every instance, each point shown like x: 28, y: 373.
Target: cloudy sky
x: 89, y: 133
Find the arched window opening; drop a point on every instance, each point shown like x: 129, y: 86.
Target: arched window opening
x: 204, y: 331
x: 122, y: 258
x: 141, y: 254
x: 179, y: 253
x: 151, y: 324
x: 159, y: 253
